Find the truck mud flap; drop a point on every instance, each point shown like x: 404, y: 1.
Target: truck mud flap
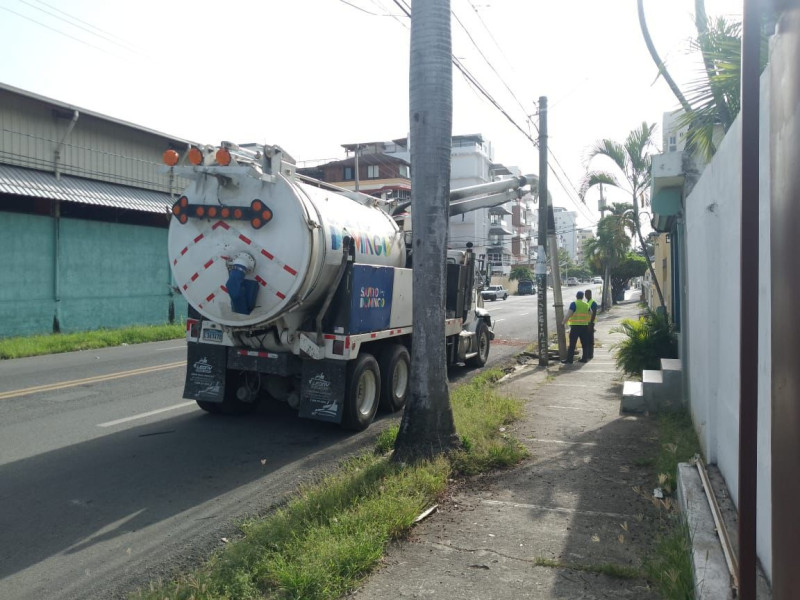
x: 205, y: 372
x: 322, y: 390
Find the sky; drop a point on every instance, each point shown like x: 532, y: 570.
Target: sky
x: 311, y: 75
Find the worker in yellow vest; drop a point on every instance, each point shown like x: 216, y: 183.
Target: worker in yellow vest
x: 578, y: 317
x: 588, y: 351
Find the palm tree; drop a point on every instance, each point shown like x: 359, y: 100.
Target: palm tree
x: 632, y: 160
x: 606, y: 249
x: 427, y: 427
x: 713, y: 98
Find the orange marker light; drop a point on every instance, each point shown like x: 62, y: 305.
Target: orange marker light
x: 212, y: 212
x: 237, y: 213
x: 255, y: 222
x: 195, y: 156
x: 183, y: 219
x: 171, y: 157
x: 226, y: 212
x: 184, y: 201
x: 223, y: 157
x: 200, y: 211
x: 267, y: 214
x: 176, y: 210
x: 256, y: 205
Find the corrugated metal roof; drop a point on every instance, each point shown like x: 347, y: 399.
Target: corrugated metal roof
x: 40, y: 184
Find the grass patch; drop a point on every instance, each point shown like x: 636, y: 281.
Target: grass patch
x: 677, y: 443
x: 37, y: 345
x: 670, y: 566
x: 609, y: 569
x: 332, y: 533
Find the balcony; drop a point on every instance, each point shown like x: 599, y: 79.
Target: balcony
x: 667, y: 189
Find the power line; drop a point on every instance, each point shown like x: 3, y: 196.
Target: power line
x: 69, y: 20
x: 53, y: 29
x: 472, y: 80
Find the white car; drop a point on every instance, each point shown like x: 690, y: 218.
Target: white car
x: 597, y: 280
x: 494, y: 292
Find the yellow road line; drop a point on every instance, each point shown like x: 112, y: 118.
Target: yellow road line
x: 76, y: 382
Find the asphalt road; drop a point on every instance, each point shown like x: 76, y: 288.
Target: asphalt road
x: 109, y: 478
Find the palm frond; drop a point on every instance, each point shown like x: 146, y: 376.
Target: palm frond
x: 593, y: 178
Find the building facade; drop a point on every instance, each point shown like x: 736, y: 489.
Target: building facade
x: 498, y: 237
x: 84, y: 212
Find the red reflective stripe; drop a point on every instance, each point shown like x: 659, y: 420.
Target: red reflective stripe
x: 185, y: 250
x: 289, y: 269
x: 244, y: 239
x: 185, y: 286
x: 198, y: 238
x: 261, y: 281
x: 208, y: 264
x: 279, y: 295
x: 210, y: 298
x: 223, y: 288
x: 222, y: 224
x: 267, y: 254
x: 195, y: 276
x: 329, y: 336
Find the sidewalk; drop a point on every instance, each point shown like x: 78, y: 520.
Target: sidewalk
x: 582, y: 498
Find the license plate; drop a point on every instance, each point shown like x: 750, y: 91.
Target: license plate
x: 212, y: 335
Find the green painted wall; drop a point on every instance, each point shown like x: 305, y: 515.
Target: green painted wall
x: 109, y: 275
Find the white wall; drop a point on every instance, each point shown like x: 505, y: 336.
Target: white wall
x: 714, y: 289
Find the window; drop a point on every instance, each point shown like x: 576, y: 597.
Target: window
x: 348, y: 174
x: 373, y: 172
x: 403, y: 171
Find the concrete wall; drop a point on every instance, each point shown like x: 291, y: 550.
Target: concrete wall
x: 108, y: 275
x: 714, y: 286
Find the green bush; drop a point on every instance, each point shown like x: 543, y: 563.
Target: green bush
x: 647, y: 340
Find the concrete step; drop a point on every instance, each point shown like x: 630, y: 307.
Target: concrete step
x: 633, y: 397
x: 672, y: 376
x: 659, y: 395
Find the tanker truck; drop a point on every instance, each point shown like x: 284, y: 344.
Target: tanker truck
x: 300, y: 292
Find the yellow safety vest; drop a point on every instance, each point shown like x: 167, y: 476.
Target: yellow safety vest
x: 582, y: 314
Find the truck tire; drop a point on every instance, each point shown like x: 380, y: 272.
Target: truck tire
x: 395, y: 364
x: 231, y: 405
x: 482, y: 340
x: 214, y: 408
x: 362, y: 392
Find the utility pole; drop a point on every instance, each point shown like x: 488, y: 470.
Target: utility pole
x: 356, y: 166
x: 557, y: 300
x: 601, y: 204
x: 541, y: 257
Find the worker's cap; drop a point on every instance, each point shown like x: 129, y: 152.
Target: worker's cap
x: 579, y: 295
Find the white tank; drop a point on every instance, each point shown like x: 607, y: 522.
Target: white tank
x: 294, y: 256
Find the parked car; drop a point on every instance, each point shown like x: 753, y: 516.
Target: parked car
x: 572, y: 281
x: 526, y: 287
x: 597, y: 280
x: 494, y: 292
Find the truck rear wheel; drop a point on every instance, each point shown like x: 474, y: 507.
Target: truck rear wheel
x: 362, y: 392
x: 395, y: 363
x: 482, y: 342
x: 235, y: 384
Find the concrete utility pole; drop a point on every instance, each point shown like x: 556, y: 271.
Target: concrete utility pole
x: 541, y: 258
x: 557, y: 300
x: 601, y: 204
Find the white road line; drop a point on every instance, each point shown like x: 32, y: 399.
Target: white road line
x: 524, y: 314
x: 498, y: 320
x: 147, y: 414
